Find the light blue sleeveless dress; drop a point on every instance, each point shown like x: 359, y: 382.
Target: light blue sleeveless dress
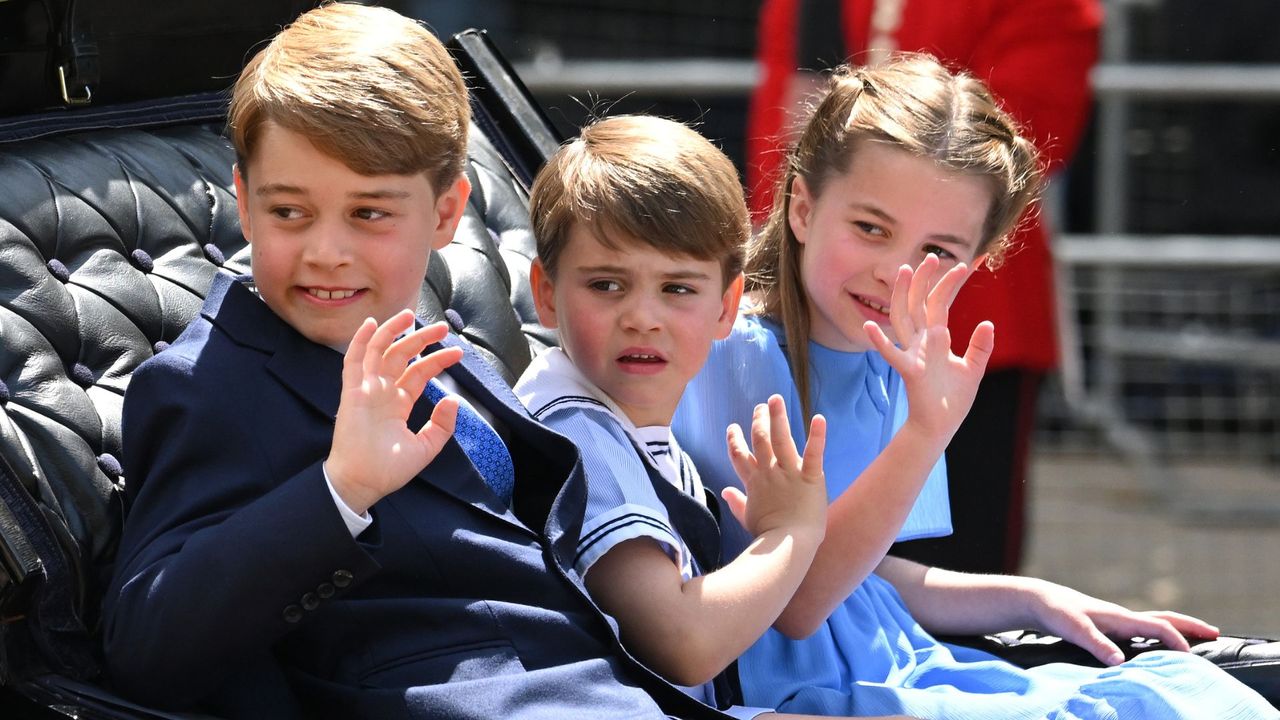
x: 871, y: 657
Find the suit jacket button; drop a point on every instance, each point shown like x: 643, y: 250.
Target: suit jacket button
x: 310, y: 601
x: 325, y: 590
x: 292, y: 613
x: 342, y: 578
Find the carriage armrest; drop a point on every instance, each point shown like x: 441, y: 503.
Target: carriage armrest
x: 1253, y: 661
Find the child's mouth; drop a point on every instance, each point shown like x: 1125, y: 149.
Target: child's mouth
x: 641, y: 363
x: 321, y: 294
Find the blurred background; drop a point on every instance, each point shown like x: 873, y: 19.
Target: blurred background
x: 1155, y: 467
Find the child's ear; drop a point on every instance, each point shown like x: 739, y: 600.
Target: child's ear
x: 729, y: 307
x: 800, y: 209
x: 450, y: 206
x: 242, y: 203
x: 544, y: 294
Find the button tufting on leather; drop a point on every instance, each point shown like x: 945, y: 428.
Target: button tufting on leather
x: 110, y: 466
x: 454, y: 320
x: 58, y: 270
x: 4, y: 393
x: 142, y: 260
x: 159, y: 347
x: 81, y: 375
x: 214, y: 255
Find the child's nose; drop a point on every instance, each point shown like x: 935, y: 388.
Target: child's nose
x: 641, y: 313
x: 887, y: 265
x: 326, y: 247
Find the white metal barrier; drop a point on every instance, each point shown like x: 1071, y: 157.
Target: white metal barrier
x: 1174, y: 335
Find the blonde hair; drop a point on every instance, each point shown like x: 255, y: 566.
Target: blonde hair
x: 912, y: 103
x: 647, y: 178
x: 366, y: 85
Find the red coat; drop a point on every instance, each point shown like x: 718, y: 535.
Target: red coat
x: 1035, y: 55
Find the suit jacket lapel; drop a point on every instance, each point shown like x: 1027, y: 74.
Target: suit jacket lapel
x: 462, y: 480
x: 478, y: 377
x: 563, y: 521
x: 313, y: 372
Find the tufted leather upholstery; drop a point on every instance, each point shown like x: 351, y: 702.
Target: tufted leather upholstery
x: 107, y: 241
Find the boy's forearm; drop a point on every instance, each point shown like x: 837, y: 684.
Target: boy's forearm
x: 861, y: 525
x: 740, y: 601
x: 689, y: 631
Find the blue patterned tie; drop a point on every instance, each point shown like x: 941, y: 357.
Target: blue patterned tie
x: 481, y: 444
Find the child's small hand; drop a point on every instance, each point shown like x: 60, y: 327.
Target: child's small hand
x: 940, y: 386
x: 374, y: 452
x: 1091, y: 623
x: 784, y: 490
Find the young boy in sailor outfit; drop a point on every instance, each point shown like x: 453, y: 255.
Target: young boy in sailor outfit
x: 640, y: 224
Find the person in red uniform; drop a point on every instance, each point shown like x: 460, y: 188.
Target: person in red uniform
x: 1036, y: 56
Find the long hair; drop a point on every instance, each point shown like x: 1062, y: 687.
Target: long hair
x: 913, y: 103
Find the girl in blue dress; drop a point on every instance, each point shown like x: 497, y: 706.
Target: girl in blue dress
x: 904, y: 178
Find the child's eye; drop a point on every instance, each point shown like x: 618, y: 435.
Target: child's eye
x: 370, y: 214
x: 942, y: 253
x: 285, y: 212
x: 605, y: 285
x: 869, y: 228
x: 678, y: 289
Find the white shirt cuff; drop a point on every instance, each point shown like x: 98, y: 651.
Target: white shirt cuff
x: 356, y: 524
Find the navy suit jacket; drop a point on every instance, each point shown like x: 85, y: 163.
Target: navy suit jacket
x: 239, y: 587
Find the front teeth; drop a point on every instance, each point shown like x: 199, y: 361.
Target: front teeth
x: 331, y: 294
x: 645, y: 358
x: 874, y: 306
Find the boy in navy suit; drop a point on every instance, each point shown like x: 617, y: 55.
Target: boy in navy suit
x: 319, y: 526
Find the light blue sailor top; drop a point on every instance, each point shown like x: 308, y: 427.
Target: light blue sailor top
x: 621, y: 501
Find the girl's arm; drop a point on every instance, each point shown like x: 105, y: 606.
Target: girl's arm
x: 953, y: 603
x: 861, y: 525
x: 689, y: 631
x: 863, y: 522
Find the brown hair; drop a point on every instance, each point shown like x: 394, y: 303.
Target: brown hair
x: 913, y: 103
x: 366, y: 85
x: 647, y: 178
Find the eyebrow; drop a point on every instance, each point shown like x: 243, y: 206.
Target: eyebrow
x: 622, y: 270
x: 278, y: 189
x: 287, y: 189
x: 379, y: 195
x: 946, y: 238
